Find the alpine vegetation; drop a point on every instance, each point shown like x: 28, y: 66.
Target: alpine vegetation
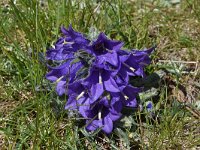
x: 94, y: 76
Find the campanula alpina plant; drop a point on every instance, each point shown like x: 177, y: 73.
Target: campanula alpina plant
x: 95, y: 76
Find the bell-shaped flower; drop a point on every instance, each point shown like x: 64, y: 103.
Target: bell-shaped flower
x: 77, y: 96
x: 65, y: 46
x: 128, y: 95
x: 73, y: 36
x: 105, y: 49
x: 133, y: 64
x: 63, y: 75
x: 95, y: 76
x: 101, y: 115
x: 100, y: 80
x: 142, y: 56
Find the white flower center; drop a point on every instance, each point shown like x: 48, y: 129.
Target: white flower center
x: 100, y: 78
x: 99, y: 115
x: 59, y: 79
x: 80, y: 95
x: 131, y: 68
x: 53, y: 46
x: 65, y: 42
x: 126, y: 97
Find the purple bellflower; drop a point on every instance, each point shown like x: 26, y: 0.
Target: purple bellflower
x: 64, y: 51
x: 65, y: 46
x: 95, y: 76
x: 105, y: 50
x: 149, y: 106
x: 63, y: 74
x: 101, y: 115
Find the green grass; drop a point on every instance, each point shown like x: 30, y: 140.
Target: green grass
x: 35, y: 119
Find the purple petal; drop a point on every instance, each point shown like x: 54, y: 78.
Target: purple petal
x: 73, y: 69
x: 131, y: 102
x: 120, y: 81
x: 116, y: 104
x: 71, y: 102
x: 77, y: 37
x: 124, y: 74
x: 109, y: 44
x: 110, y: 85
x: 91, y: 126
x: 64, y: 30
x: 108, y: 125
x: 140, y: 72
x: 130, y: 90
x: 147, y: 51
x: 104, y: 102
x: 149, y: 105
x: 75, y: 87
x: 111, y: 58
x: 61, y: 88
x: 58, y: 72
x: 96, y: 91
x: 93, y: 78
x: 123, y: 58
x: 114, y: 116
x: 81, y: 103
x: 84, y: 106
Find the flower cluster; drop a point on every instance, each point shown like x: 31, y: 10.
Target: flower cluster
x: 95, y: 76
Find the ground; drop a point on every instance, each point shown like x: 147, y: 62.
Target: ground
x: 32, y: 116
